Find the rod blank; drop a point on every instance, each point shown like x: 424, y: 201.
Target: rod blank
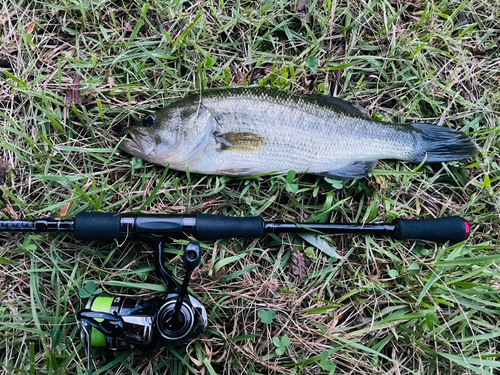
x: 36, y: 226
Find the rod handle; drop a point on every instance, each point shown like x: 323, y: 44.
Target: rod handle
x: 214, y: 227
x: 97, y: 226
x: 453, y: 229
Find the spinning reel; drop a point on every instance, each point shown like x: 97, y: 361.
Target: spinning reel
x: 119, y: 323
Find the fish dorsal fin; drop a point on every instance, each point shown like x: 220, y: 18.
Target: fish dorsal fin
x: 346, y: 106
x: 241, y: 141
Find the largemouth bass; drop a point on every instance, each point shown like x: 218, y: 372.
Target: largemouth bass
x: 252, y: 131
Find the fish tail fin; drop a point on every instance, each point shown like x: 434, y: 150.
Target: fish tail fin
x: 438, y: 144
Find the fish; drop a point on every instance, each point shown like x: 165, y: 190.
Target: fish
x: 259, y: 131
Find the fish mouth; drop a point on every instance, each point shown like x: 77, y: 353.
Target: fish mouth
x: 137, y: 143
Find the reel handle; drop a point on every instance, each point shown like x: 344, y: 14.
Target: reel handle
x: 181, y: 317
x: 191, y: 260
x: 192, y: 256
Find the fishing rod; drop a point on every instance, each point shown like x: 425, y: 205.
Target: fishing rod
x: 124, y: 322
x: 110, y: 226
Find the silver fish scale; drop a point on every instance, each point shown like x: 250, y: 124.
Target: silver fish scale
x: 303, y: 133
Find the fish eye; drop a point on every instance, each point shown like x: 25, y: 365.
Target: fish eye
x: 148, y: 120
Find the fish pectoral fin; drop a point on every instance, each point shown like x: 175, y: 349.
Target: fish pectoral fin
x: 356, y: 170
x: 348, y: 107
x: 219, y: 137
x: 242, y: 141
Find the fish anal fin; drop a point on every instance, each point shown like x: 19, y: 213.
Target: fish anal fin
x: 241, y: 141
x: 344, y: 105
x: 353, y: 171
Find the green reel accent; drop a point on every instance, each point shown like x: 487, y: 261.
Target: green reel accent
x: 102, y: 304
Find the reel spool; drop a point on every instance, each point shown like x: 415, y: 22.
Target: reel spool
x: 138, y: 330
x: 120, y: 323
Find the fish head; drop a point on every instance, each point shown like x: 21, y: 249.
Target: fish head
x: 175, y: 136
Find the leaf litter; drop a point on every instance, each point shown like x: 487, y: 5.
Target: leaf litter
x: 73, y: 95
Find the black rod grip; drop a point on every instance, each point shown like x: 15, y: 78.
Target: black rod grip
x: 453, y: 229
x: 97, y: 226
x: 215, y: 227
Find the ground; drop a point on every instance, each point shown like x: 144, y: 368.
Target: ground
x: 80, y: 71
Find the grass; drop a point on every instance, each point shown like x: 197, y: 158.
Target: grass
x: 384, y: 307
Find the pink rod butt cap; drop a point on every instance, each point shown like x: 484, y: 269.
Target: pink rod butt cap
x: 467, y: 229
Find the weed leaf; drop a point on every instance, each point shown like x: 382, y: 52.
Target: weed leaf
x: 266, y: 316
